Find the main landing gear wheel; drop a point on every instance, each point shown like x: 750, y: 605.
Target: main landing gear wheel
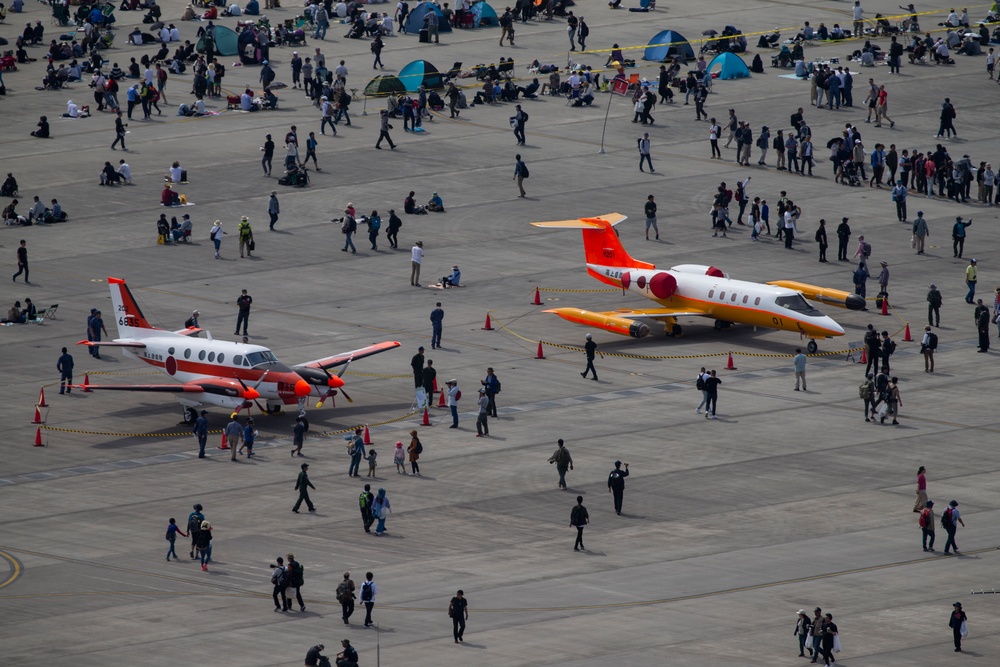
x: 812, y: 347
x: 675, y: 331
x: 722, y: 324
x: 190, y: 415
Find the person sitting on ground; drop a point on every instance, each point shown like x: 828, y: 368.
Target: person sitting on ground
x: 108, y: 175
x: 410, y: 205
x: 454, y: 280
x: 252, y: 8
x: 30, y: 313
x: 124, y: 171
x: 14, y: 314
x: 55, y: 214
x: 163, y: 230
x: 36, y: 214
x: 189, y: 14
x: 435, y: 204
x: 168, y: 197
x: 177, y: 173
x: 9, y: 187
x: 72, y: 110
x: 10, y: 216
x: 43, y: 128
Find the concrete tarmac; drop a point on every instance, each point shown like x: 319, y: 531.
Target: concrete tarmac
x: 789, y: 500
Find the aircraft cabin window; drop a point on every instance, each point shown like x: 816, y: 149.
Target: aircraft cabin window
x: 745, y: 299
x: 187, y: 353
x: 238, y: 360
x: 211, y: 356
x: 722, y: 296
x: 733, y: 297
x: 756, y: 301
x: 170, y: 351
x: 711, y: 293
x: 222, y: 357
x: 201, y: 355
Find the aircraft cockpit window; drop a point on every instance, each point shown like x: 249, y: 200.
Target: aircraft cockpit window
x: 796, y: 303
x: 256, y: 358
x: 238, y: 360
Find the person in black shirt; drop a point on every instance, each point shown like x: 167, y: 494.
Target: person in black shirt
x: 829, y: 635
x: 650, y: 209
x: 22, y: 261
x: 349, y: 656
x: 591, y: 348
x: 65, y: 368
x: 417, y: 364
x: 268, y: 150
x: 579, y: 518
x: 616, y: 484
x: 314, y: 655
x: 458, y: 609
x: 712, y: 387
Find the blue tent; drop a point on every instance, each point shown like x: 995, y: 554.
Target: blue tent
x: 671, y: 45
x: 421, y: 73
x: 732, y: 66
x: 415, y: 19
x: 486, y: 14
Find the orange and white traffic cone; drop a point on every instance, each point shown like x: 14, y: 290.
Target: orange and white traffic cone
x: 41, y: 398
x: 38, y: 437
x: 885, y: 305
x: 539, y: 354
x: 225, y: 444
x: 86, y: 383
x: 441, y: 402
x: 538, y: 298
x: 730, y: 366
x: 864, y: 355
x: 427, y: 418
x: 367, y: 436
x: 489, y: 325
x: 906, y: 335
x: 38, y: 416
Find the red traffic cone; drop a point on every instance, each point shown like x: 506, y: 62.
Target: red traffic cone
x: 488, y: 326
x: 441, y: 403
x: 224, y: 445
x: 539, y: 354
x: 367, y: 437
x: 38, y: 417
x: 906, y: 335
x: 427, y: 418
x: 538, y: 298
x: 86, y: 382
x: 41, y: 398
x: 729, y: 365
x: 38, y: 437
x: 885, y: 305
x: 864, y: 355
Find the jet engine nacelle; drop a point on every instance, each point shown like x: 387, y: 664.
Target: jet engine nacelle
x: 700, y: 269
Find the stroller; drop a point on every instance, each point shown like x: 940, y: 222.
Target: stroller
x: 850, y: 174
x: 296, y: 178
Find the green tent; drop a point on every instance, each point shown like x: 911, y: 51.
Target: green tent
x: 384, y: 84
x: 226, y: 42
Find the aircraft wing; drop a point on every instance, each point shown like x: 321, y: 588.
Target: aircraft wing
x: 624, y: 322
x: 655, y: 313
x: 346, y: 357
x: 219, y: 386
x: 111, y: 343
x: 188, y: 331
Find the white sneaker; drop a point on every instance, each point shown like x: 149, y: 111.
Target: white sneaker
x: 697, y: 411
x: 714, y: 417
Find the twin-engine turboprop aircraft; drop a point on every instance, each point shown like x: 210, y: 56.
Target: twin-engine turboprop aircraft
x: 222, y: 373
x: 690, y: 290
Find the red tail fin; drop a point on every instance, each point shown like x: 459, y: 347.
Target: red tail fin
x: 128, y: 315
x: 603, y: 247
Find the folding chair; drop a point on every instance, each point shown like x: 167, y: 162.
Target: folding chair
x: 48, y: 313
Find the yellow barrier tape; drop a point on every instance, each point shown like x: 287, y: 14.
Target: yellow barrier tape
x: 378, y: 375
x: 575, y: 291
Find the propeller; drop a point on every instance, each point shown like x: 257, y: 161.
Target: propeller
x: 336, y: 382
x: 251, y: 394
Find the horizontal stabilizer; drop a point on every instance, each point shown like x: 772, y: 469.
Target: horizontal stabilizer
x: 584, y: 223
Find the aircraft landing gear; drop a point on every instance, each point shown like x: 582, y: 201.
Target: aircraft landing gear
x: 674, y: 331
x: 812, y: 347
x: 722, y: 324
x: 190, y: 415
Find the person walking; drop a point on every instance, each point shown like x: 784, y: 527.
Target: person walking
x: 803, y: 626
x: 119, y: 132
x: 831, y: 640
x: 384, y: 128
x: 298, y: 435
x: 437, y: 323
x: 590, y: 348
x: 928, y: 344
x: 414, y: 450
x: 816, y: 632
x: 194, y: 526
x: 822, y: 240
x: 950, y: 519
x: 345, y: 596
x: 650, y: 210
x: 279, y: 581
x: 234, y: 433
x: 971, y: 275
x: 200, y: 431
x: 921, y: 489
x: 356, y: 450
x: 899, y: 195
x: 22, y: 261
x: 579, y: 518
x: 296, y: 579
x: 799, y: 363
x: 934, y: 300
x: 268, y: 150
x: 616, y: 485
x: 482, y: 421
x: 563, y: 462
x: 249, y: 436
x: 348, y: 227
x: 958, y: 624
x: 65, y: 368
x: 273, y: 208
x: 920, y: 231
x: 712, y: 388
x: 926, y: 523
x: 243, y: 303
x: 700, y: 385
x: 520, y: 173
x: 714, y: 132
x: 893, y: 400
x: 204, y: 545
x: 948, y: 114
x: 302, y: 485
x: 416, y: 259
x: 458, y: 610
x: 393, y: 232
x: 868, y: 394
x: 172, y: 532
x: 518, y: 120
x: 454, y: 394
x: 958, y: 234
x: 376, y: 48
x: 365, y: 500
x: 368, y: 591
x: 644, y: 156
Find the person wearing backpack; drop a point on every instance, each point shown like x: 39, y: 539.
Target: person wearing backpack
x: 866, y: 392
x: 365, y: 500
x: 172, y: 532
x: 415, y: 449
x: 381, y: 509
x: 616, y: 485
x: 520, y: 173
x: 492, y: 386
x: 928, y: 344
x: 700, y: 385
x: 345, y: 596
x: 888, y: 349
x: 563, y: 462
x: 279, y: 579
x: 296, y: 578
x: 518, y: 121
x: 194, y: 526
x: 926, y: 523
x: 950, y: 519
x: 368, y: 592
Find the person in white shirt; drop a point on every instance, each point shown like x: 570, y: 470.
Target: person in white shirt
x: 703, y: 375
x: 199, y: 108
x: 952, y: 19
x: 72, y: 110
x: 574, y: 81
x: 125, y: 171
x: 175, y: 34
x: 176, y: 172
x: 416, y: 257
x: 164, y: 34
x: 148, y: 76
x: 341, y: 71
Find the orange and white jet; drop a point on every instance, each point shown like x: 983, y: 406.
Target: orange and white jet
x: 221, y: 373
x: 690, y: 290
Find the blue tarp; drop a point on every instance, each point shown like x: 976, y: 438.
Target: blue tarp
x: 673, y: 45
x: 415, y: 19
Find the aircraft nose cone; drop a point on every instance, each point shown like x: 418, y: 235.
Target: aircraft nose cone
x: 250, y: 393
x: 335, y: 382
x: 831, y: 324
x: 302, y: 388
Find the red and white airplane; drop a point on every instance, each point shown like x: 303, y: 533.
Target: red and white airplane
x: 690, y: 290
x: 222, y: 373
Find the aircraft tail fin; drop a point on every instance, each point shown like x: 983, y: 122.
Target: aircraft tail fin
x: 128, y: 316
x: 601, y: 244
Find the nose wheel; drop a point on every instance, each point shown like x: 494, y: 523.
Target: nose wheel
x: 812, y: 347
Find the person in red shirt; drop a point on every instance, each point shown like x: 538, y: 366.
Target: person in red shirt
x: 921, y: 490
